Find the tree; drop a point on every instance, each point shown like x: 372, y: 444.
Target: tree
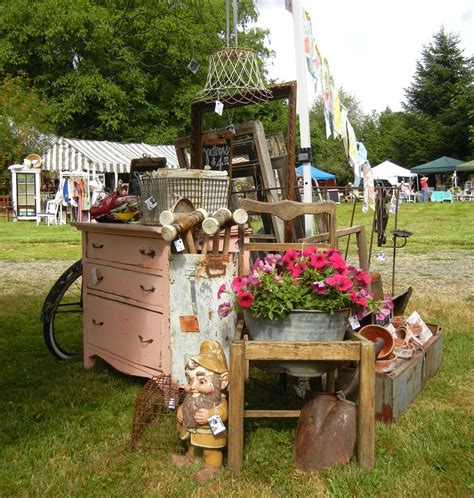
x: 117, y: 69
x: 442, y: 91
x: 23, y: 121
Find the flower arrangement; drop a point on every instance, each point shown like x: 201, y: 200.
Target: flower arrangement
x: 311, y: 279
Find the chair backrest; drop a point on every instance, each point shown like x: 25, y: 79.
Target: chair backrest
x: 287, y: 211
x: 51, y: 207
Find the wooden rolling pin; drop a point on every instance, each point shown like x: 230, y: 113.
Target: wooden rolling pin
x: 223, y: 217
x: 169, y: 217
x: 185, y: 223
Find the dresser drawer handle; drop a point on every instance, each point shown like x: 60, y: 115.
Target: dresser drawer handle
x: 145, y: 342
x: 97, y: 246
x: 151, y: 253
x: 151, y: 289
x: 95, y: 322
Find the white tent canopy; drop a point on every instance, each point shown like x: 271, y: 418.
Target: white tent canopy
x: 102, y: 156
x: 391, y: 172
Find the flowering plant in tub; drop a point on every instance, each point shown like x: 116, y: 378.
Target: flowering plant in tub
x: 309, y: 280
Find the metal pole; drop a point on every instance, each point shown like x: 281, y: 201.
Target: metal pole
x: 234, y: 7
x: 397, y: 196
x: 303, y: 111
x: 227, y: 21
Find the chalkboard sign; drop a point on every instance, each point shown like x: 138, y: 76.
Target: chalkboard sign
x: 216, y: 154
x: 140, y: 166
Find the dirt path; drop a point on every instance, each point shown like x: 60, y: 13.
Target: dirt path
x: 447, y: 274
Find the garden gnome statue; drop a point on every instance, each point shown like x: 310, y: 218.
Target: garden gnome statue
x: 204, y: 410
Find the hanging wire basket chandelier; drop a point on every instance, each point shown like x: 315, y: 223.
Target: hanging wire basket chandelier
x: 234, y: 74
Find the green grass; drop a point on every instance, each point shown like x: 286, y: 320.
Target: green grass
x: 435, y: 226
x: 65, y: 431
x: 24, y: 241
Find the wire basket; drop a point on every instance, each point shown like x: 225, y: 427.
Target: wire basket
x: 205, y: 189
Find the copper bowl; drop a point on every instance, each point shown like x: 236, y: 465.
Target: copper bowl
x: 373, y: 332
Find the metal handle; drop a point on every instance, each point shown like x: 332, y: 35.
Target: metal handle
x: 97, y: 246
x: 95, y: 322
x: 145, y: 342
x: 151, y: 289
x: 151, y: 253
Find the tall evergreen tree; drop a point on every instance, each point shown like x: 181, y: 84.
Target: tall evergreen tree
x: 442, y: 90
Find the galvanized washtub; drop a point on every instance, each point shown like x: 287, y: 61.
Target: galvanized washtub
x: 298, y: 326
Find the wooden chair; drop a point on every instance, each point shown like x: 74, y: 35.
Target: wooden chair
x: 241, y: 351
x: 6, y: 206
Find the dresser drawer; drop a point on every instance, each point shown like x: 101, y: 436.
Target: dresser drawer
x: 132, y: 333
x: 134, y: 251
x: 132, y: 284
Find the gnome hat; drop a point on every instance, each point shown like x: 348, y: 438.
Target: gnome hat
x: 211, y: 357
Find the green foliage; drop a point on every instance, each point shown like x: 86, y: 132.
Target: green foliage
x: 442, y: 92
x: 117, y: 70
x: 22, y: 115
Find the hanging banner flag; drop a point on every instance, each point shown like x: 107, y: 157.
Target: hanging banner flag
x: 353, y: 157
x: 313, y: 56
x: 336, y: 111
x: 369, y: 188
x: 326, y: 88
x: 361, y: 152
x: 289, y: 5
x: 345, y: 140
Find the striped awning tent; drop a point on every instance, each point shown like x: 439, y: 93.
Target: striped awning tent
x: 106, y: 157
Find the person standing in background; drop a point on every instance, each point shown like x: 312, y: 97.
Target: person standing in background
x: 424, y: 188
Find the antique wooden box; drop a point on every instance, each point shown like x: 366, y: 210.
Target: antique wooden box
x: 396, y: 391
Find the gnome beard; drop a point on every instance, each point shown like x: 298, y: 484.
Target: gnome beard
x: 192, y: 404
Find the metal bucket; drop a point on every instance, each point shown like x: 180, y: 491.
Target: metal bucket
x: 298, y: 326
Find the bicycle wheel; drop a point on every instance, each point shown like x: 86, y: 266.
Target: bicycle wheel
x: 62, y: 314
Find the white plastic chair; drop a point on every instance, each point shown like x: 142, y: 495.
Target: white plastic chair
x: 50, y: 214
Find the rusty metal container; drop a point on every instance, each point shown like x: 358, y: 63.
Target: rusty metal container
x: 194, y: 283
x: 397, y: 390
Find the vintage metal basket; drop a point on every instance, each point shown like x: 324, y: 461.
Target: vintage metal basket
x: 161, y: 190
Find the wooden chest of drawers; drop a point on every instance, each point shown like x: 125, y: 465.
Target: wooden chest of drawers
x: 139, y: 300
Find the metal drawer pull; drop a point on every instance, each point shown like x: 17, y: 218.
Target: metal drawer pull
x: 149, y: 341
x: 97, y: 246
x: 151, y: 253
x: 151, y: 289
x: 95, y: 322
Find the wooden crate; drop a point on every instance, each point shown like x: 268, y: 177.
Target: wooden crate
x: 396, y: 391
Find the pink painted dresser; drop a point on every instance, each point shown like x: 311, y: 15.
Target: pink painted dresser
x: 146, y: 310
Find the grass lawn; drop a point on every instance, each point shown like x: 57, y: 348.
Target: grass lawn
x: 65, y: 431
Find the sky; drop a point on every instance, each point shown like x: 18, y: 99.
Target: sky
x: 371, y: 45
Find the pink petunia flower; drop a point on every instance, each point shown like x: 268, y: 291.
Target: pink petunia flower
x: 358, y: 298
x: 245, y: 299
x: 339, y: 282
x: 290, y: 256
x: 273, y: 259
x: 318, y: 261
x: 319, y: 288
x: 298, y: 269
x: 309, y: 251
x: 338, y: 262
x: 222, y: 290
x: 224, y: 309
x: 384, y: 308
